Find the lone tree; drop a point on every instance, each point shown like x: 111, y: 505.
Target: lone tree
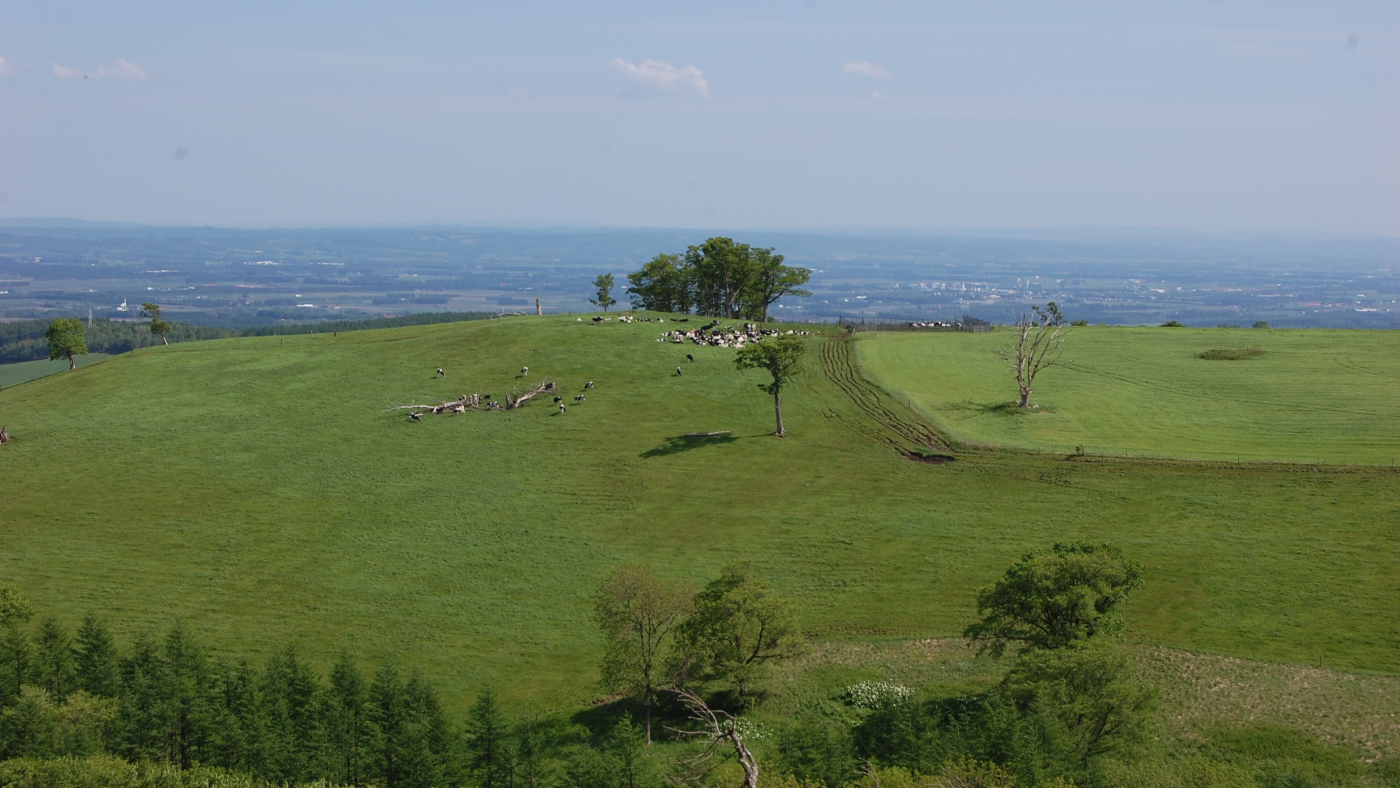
x: 1055, y: 598
x: 604, y: 283
x: 158, y: 327
x: 781, y: 356
x: 1040, y: 336
x: 637, y: 613
x: 737, y: 629
x: 65, y: 336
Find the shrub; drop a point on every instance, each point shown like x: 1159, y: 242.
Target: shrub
x: 1173, y: 324
x: 1231, y: 353
x: 875, y: 695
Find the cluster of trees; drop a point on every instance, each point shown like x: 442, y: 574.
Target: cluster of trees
x: 719, y: 278
x: 25, y: 340
x: 1070, y: 709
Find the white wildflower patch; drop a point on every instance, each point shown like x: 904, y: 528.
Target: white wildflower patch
x: 876, y: 694
x: 750, y: 730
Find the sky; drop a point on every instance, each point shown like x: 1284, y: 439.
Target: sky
x: 1214, y: 115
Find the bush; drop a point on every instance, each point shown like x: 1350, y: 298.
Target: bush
x: 1262, y: 324
x: 1173, y: 324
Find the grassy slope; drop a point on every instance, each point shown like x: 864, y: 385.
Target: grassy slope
x: 256, y: 489
x: 1313, y: 395
x: 25, y: 371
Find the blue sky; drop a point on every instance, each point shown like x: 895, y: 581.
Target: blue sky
x: 795, y: 113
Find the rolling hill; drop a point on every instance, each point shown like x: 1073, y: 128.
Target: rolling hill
x: 258, y: 490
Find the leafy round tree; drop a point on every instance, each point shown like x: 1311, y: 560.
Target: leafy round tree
x: 781, y: 357
x: 1054, y: 599
x: 65, y: 336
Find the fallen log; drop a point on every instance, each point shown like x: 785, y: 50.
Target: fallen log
x: 705, y: 434
x: 461, y: 405
x: 514, y: 401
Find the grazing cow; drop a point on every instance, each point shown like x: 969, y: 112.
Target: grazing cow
x: 561, y: 407
x: 558, y: 400
x: 689, y: 357
x: 524, y: 370
x: 678, y: 372
x: 415, y: 417
x: 579, y: 398
x: 441, y: 374
x: 588, y: 385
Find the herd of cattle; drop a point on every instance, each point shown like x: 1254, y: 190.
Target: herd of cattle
x: 715, y: 335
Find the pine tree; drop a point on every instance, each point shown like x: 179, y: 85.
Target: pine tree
x: 53, y: 660
x: 342, y: 725
x: 288, y: 693
x: 95, y: 658
x: 486, y: 742
x: 385, y: 713
x: 425, y: 735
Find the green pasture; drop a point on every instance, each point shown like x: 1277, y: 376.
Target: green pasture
x: 257, y: 490
x: 25, y: 371
x: 1304, y: 396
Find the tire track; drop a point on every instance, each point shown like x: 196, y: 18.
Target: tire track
x: 840, y: 369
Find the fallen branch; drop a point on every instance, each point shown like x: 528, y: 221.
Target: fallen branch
x: 705, y: 434
x: 514, y: 401
x: 461, y: 405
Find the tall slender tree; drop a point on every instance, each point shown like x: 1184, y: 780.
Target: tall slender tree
x: 158, y: 327
x: 637, y: 612
x: 487, y: 741
x: 604, y: 298
x: 781, y: 357
x: 53, y: 659
x: 343, y: 723
x: 15, y: 653
x: 95, y: 659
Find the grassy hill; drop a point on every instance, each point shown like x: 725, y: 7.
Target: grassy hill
x: 1285, y: 396
x: 25, y: 371
x: 257, y: 490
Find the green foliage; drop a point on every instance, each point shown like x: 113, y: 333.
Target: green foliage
x: 604, y: 283
x: 1085, y: 701
x: 816, y: 748
x: 1280, y: 757
x: 1261, y: 324
x: 95, y: 659
x: 779, y: 356
x: 15, y: 608
x: 105, y: 771
x: 1173, y: 324
x: 158, y: 327
x: 737, y: 628
x: 489, y: 757
x: 719, y: 278
x: 637, y: 612
x: 65, y: 338
x: 1054, y: 599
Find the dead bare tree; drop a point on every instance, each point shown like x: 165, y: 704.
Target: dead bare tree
x: 719, y: 730
x: 461, y: 405
x: 514, y: 401
x: 1040, y: 338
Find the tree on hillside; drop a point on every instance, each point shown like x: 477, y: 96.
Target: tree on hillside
x: 1055, y: 598
x: 15, y: 654
x: 721, y: 269
x: 780, y: 356
x: 1085, y: 702
x: 1039, y: 340
x: 737, y: 627
x: 65, y: 336
x: 95, y: 657
x: 158, y: 327
x: 770, y: 280
x: 604, y: 283
x: 662, y: 285
x: 637, y: 612
x: 488, y: 741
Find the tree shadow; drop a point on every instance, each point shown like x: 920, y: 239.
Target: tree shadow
x: 994, y: 408
x: 680, y: 443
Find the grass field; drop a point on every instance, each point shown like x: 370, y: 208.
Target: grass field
x: 1294, y: 396
x: 257, y: 490
x: 25, y: 371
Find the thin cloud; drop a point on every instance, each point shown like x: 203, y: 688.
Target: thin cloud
x: 124, y: 70
x: 868, y: 69
x: 874, y: 98
x: 7, y: 66
x: 661, y: 75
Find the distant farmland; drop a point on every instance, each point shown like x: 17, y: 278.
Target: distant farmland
x: 1223, y: 394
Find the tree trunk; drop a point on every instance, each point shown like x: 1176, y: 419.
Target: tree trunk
x: 778, y: 406
x: 648, y: 715
x: 72, y: 363
x: 1025, y: 397
x: 166, y: 341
